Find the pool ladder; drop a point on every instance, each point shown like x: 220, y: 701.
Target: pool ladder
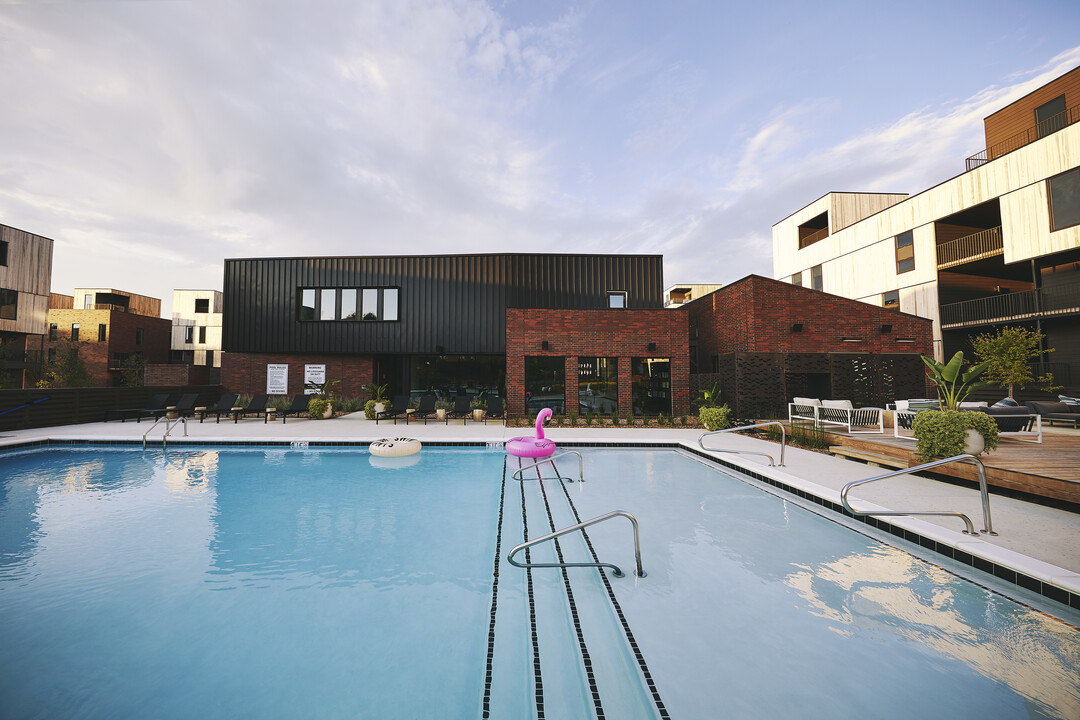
x: 783, y: 441
x: 520, y: 473
x: 168, y: 429
x: 988, y: 527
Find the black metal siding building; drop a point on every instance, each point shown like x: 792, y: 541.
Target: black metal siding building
x: 447, y: 304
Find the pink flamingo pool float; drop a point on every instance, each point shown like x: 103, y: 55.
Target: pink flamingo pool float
x: 533, y: 447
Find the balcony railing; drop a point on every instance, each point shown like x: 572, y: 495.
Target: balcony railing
x: 981, y: 245
x: 813, y: 237
x: 114, y: 308
x: 1012, y: 307
x: 1047, y: 127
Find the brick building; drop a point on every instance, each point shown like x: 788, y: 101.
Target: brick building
x: 111, y: 326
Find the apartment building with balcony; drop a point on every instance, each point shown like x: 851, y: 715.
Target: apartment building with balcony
x: 25, y: 276
x: 111, y: 327
x: 998, y: 244
x: 196, y: 328
x: 681, y: 293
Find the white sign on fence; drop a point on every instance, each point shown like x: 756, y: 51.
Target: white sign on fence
x: 313, y: 374
x: 277, y: 379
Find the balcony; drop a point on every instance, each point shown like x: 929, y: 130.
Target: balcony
x: 987, y: 243
x: 1046, y: 127
x: 1012, y: 307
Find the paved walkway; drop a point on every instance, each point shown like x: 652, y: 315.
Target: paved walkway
x: 1040, y: 541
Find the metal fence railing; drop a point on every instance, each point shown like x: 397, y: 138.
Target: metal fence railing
x: 987, y: 243
x: 1047, y: 127
x: 1010, y: 307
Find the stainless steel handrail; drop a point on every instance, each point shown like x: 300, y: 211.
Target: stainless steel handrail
x: 168, y: 429
x: 519, y: 474
x: 616, y: 571
x: 988, y: 528
x: 783, y: 441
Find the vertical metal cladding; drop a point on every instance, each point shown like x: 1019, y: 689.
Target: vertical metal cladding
x: 456, y: 302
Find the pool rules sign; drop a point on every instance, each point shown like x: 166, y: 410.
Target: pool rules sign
x: 277, y: 379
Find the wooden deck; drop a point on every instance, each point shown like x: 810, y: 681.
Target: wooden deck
x: 1050, y: 469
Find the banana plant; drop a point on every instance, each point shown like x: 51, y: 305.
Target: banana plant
x: 952, y: 382
x: 710, y: 397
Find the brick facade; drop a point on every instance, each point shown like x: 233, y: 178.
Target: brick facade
x: 120, y: 338
x: 176, y: 374
x: 571, y: 334
x: 245, y: 373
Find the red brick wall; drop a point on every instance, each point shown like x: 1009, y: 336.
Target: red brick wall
x: 597, y: 333
x: 119, y: 338
x: 245, y: 373
x: 756, y: 314
x: 180, y: 375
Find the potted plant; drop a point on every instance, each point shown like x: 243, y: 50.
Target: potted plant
x: 950, y: 431
x: 442, y: 406
x: 321, y: 404
x: 478, y: 405
x: 715, y: 418
x: 378, y: 394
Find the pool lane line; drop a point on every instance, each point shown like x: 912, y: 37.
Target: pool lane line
x: 494, y: 601
x: 538, y: 680
x: 638, y: 655
x: 586, y: 658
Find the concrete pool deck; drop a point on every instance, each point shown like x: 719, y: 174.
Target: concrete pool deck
x: 1037, y: 541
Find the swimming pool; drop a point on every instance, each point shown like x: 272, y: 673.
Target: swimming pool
x: 269, y: 582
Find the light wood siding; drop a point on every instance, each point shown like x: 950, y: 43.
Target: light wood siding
x: 1020, y: 115
x: 28, y: 272
x: 850, y: 208
x: 137, y: 304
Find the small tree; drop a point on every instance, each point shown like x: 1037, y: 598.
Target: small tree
x: 1009, y: 353
x: 69, y: 369
x: 132, y: 370
x: 953, y: 384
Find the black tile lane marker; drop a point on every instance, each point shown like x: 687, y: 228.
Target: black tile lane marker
x: 660, y: 708
x: 494, y: 600
x: 538, y: 681
x: 586, y: 659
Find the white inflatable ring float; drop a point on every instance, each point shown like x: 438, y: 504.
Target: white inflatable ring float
x: 394, y: 447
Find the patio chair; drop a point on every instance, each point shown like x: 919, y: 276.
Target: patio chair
x: 224, y: 406
x: 494, y: 409
x: 185, y: 406
x: 461, y: 409
x: 257, y: 406
x: 154, y: 408
x: 426, y: 410
x: 299, y: 406
x: 399, y: 407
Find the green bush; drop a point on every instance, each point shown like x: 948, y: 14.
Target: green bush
x: 715, y: 418
x: 369, y: 409
x: 941, y: 434
x: 317, y: 407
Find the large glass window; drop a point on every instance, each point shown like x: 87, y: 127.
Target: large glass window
x: 307, y: 304
x: 905, y: 252
x: 342, y: 304
x: 796, y: 279
x: 1065, y: 200
x: 189, y: 334
x: 545, y: 384
x: 348, y: 304
x: 88, y: 302
x: 328, y: 304
x: 202, y: 305
x: 447, y: 376
x: 650, y: 390
x: 390, y: 304
x: 815, y: 278
x: 9, y: 304
x: 1050, y: 117
x: 370, y: 304
x: 598, y: 385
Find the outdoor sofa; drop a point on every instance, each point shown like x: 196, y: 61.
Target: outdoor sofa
x: 1053, y: 412
x: 837, y: 413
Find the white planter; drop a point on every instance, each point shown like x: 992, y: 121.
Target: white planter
x: 973, y: 442
x: 329, y: 412
x: 440, y: 414
x: 380, y: 407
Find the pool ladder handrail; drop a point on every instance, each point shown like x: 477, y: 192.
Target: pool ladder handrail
x: 616, y: 571
x: 783, y: 441
x: 988, y: 527
x: 168, y: 429
x: 519, y: 474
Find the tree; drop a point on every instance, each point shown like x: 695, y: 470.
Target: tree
x: 953, y: 384
x: 1009, y: 353
x: 132, y: 370
x: 68, y: 369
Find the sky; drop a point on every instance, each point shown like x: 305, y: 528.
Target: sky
x: 153, y: 139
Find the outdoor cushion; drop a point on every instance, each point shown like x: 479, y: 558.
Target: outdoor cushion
x: 1069, y: 400
x: 1006, y: 402
x: 972, y: 405
x: 840, y: 404
x: 923, y: 404
x: 1048, y: 408
x: 806, y: 401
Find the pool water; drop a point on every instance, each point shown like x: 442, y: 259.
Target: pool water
x: 268, y: 582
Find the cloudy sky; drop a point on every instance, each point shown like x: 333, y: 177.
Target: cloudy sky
x: 152, y: 139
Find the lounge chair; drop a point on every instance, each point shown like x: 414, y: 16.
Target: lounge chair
x: 185, y: 406
x: 154, y: 408
x: 494, y: 409
x: 461, y: 409
x: 398, y: 408
x: 257, y: 406
x: 425, y: 411
x: 299, y: 405
x: 1056, y: 411
x: 838, y: 413
x: 224, y: 406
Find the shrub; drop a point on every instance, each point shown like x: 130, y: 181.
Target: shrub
x: 349, y: 404
x: 280, y: 403
x: 317, y: 407
x: 715, y: 418
x: 369, y: 409
x: 941, y: 433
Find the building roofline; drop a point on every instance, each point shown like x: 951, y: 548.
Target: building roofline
x: 841, y: 192
x: 1003, y: 109
x: 446, y: 255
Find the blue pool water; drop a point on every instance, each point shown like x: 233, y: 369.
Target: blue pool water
x: 269, y: 582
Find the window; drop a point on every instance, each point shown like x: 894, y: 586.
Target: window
x: 815, y: 278
x: 891, y: 300
x: 598, y: 385
x: 202, y: 305
x: 905, y: 252
x: 202, y: 333
x: 189, y: 334
x: 341, y: 304
x: 102, y: 332
x: 813, y: 230
x: 88, y: 302
x: 52, y: 332
x: 74, y: 331
x: 3, y: 252
x: 9, y: 304
x: 616, y: 300
x: 1065, y: 199
x: 1050, y: 117
x: 796, y: 279
x: 650, y: 385
x: 545, y: 384
x: 52, y: 355
x: 138, y: 336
